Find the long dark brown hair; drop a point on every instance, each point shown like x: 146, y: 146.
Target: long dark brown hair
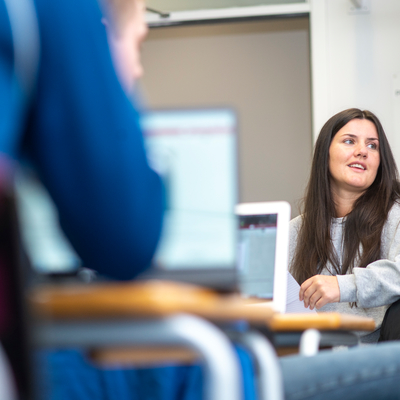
x: 364, y: 223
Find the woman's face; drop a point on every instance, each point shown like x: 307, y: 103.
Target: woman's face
x: 354, y: 157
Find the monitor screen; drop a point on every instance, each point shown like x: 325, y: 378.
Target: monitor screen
x: 257, y: 246
x: 195, y: 153
x: 45, y: 244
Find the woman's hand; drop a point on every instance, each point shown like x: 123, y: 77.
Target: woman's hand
x: 319, y: 290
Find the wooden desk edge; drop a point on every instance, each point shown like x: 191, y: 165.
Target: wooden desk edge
x: 141, y: 300
x: 322, y: 321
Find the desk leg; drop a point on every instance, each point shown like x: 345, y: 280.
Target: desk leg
x: 309, y: 342
x: 222, y: 372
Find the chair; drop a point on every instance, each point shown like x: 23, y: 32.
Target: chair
x: 390, y: 329
x: 7, y: 388
x: 14, y: 331
x: 14, y: 324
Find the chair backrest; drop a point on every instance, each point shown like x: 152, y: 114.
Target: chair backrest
x: 14, y: 318
x: 7, y: 389
x: 14, y: 329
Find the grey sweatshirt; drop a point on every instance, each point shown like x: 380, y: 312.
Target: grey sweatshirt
x: 375, y: 287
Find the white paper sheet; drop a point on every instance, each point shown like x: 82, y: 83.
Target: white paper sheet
x: 293, y: 304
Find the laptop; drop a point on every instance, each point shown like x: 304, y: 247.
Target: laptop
x: 263, y: 251
x: 195, y: 153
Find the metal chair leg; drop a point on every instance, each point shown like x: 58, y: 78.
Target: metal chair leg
x: 270, y: 382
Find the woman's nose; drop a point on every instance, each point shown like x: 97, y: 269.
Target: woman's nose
x: 361, y: 151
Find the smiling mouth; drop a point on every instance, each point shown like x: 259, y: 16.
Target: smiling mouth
x: 359, y: 166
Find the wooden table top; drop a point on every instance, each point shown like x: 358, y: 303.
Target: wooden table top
x: 141, y: 299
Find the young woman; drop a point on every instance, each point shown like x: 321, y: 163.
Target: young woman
x: 345, y: 247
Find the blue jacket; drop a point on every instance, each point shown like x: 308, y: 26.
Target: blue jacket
x: 85, y: 141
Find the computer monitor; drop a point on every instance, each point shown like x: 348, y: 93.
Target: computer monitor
x: 46, y: 246
x: 194, y: 151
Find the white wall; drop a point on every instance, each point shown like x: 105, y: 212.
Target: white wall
x: 356, y: 62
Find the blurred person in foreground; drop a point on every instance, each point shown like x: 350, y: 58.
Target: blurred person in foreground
x: 81, y: 133
x: 84, y: 139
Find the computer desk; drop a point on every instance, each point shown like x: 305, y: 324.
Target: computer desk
x: 142, y: 323
x: 156, y: 299
x: 141, y: 301
x: 307, y: 332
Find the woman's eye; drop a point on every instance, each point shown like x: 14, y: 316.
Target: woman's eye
x: 348, y: 141
x: 373, y: 146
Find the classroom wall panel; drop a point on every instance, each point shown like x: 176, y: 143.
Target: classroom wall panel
x: 356, y: 61
x: 261, y: 68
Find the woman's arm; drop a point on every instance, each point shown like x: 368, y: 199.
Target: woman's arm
x: 376, y: 285
x: 379, y: 283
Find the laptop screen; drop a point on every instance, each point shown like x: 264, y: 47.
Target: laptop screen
x: 194, y: 151
x: 263, y: 250
x: 47, y: 248
x: 257, y: 244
